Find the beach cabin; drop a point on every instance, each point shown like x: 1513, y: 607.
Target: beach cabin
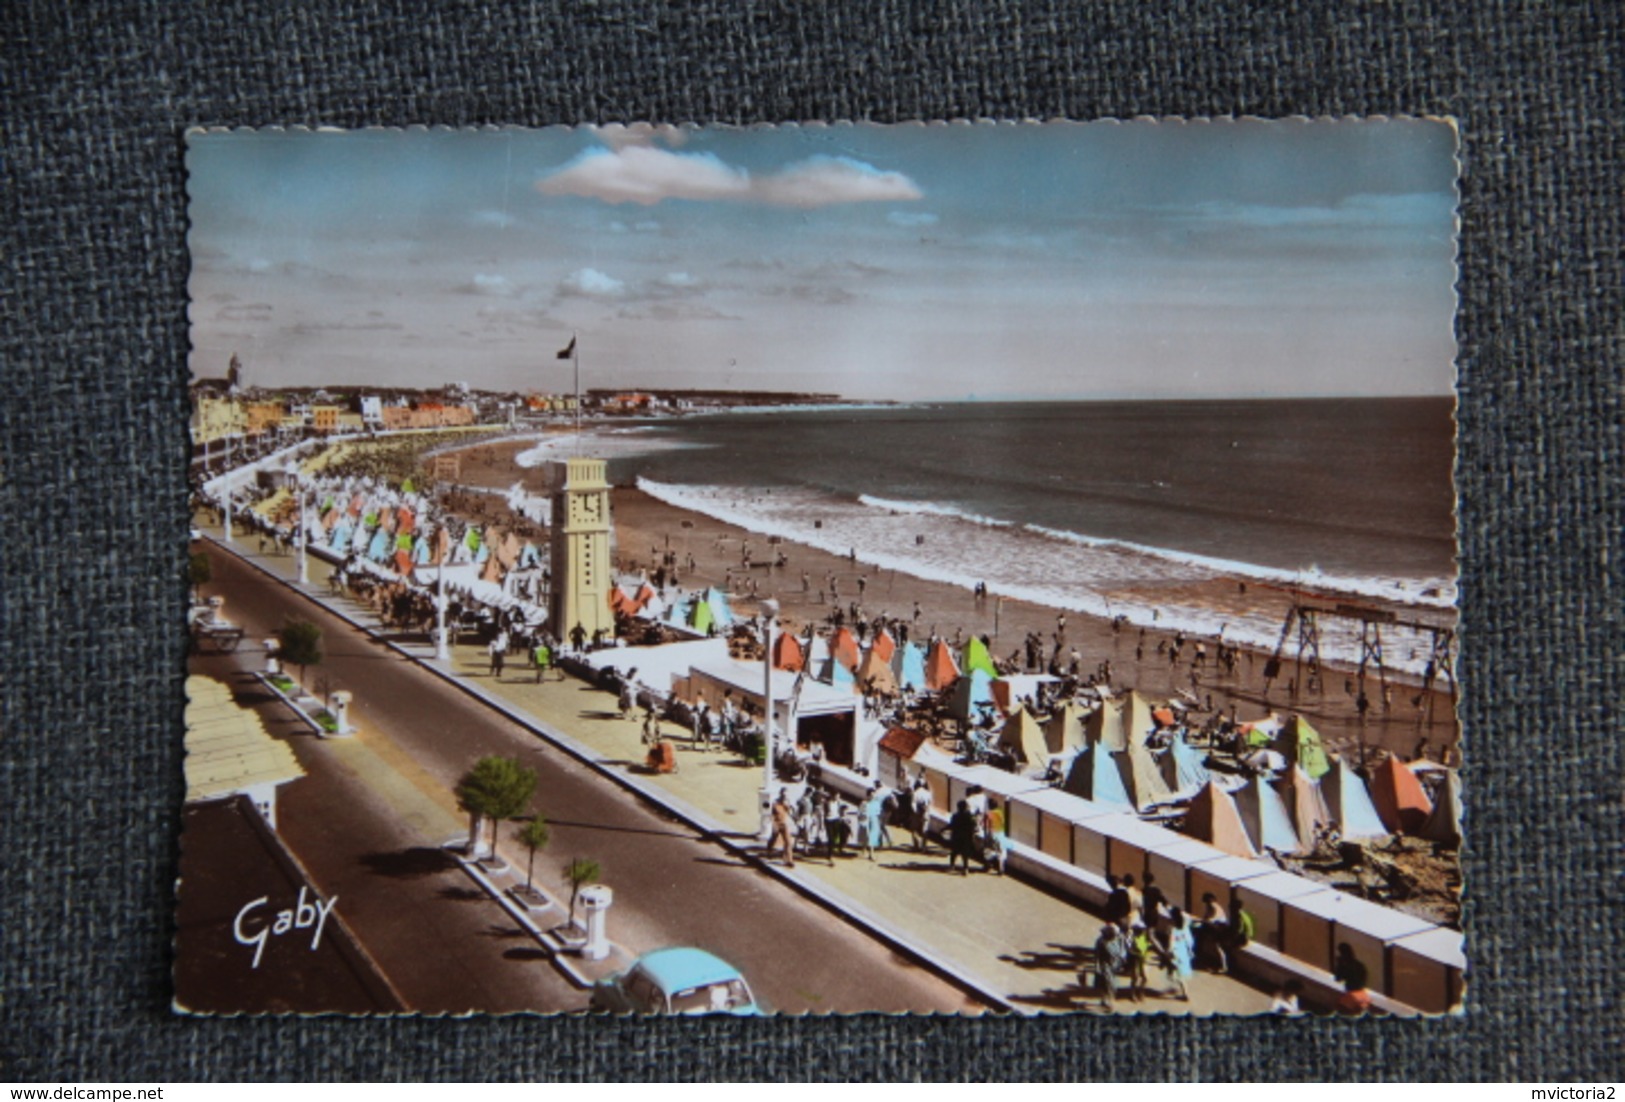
x: 1427, y: 969
x: 1265, y: 896
x: 1172, y: 864
x: 1130, y: 845
x: 1221, y: 877
x: 1044, y: 818
x: 1314, y: 923
x: 827, y: 717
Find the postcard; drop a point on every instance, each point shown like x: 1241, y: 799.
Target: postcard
x: 948, y: 568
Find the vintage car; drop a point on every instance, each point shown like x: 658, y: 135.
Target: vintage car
x: 676, y: 981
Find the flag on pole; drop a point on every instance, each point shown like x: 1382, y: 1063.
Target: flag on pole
x: 568, y: 350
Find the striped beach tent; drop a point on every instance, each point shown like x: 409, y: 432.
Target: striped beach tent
x: 1064, y: 731
x: 1265, y: 817
x: 1023, y: 739
x: 975, y: 657
x: 1400, y: 799
x: 1095, y: 776
x: 970, y: 691
x: 1353, y: 813
x: 1305, y: 803
x: 843, y: 646
x: 1184, y: 767
x: 787, y: 653
x: 1212, y: 818
x: 1443, y: 826
x: 908, y: 663
x: 940, y: 669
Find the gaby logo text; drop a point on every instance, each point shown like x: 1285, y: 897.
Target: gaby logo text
x: 254, y: 929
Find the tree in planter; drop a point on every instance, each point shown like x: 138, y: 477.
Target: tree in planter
x: 300, y: 642
x: 534, y: 835
x: 199, y: 571
x: 580, y: 872
x: 495, y: 789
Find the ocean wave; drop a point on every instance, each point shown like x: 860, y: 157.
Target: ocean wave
x: 1047, y: 567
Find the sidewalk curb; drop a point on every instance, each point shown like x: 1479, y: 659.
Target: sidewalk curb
x: 832, y: 900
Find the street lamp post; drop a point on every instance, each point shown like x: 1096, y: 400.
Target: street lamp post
x: 770, y: 614
x: 441, y: 650
x: 299, y: 520
x: 228, y: 489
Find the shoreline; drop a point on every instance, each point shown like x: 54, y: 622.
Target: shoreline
x: 645, y: 527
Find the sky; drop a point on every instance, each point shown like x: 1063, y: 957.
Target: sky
x: 917, y: 262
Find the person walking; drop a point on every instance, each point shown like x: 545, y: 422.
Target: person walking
x: 783, y: 838
x: 1215, y: 931
x: 1139, y: 956
x: 998, y: 842
x: 919, y: 820
x: 869, y: 834
x: 1181, y: 958
x: 1111, y: 953
x: 835, y: 825
x: 962, y: 832
x: 498, y: 652
x: 542, y: 657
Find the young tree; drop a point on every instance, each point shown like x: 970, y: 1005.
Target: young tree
x: 198, y: 572
x: 300, y: 642
x: 495, y: 789
x: 534, y: 835
x: 580, y: 872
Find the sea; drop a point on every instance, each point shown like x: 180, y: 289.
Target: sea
x: 1106, y: 508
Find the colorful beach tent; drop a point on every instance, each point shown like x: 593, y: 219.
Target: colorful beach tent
x: 1184, y: 767
x: 1142, y: 780
x: 835, y: 672
x: 700, y: 617
x: 1398, y: 795
x: 1305, y: 804
x: 908, y: 663
x: 977, y: 658
x: 529, y: 556
x: 1301, y: 745
x: 940, y: 668
x: 1353, y: 813
x: 1023, y: 739
x: 403, y: 562
x: 973, y: 689
x: 1094, y: 776
x: 1212, y: 817
x: 1104, y: 727
x: 843, y: 646
x: 1444, y: 824
x: 874, y: 674
x: 1137, y: 719
x: 884, y: 645
x: 721, y: 611
x: 1064, y: 731
x: 787, y: 654
x: 1265, y: 817
x: 378, y: 550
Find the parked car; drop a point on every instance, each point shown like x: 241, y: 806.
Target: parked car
x: 676, y: 981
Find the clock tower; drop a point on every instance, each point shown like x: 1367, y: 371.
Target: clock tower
x: 581, y: 550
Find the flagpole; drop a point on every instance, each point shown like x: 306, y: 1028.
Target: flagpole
x: 575, y: 357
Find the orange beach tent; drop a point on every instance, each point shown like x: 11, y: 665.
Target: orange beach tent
x: 940, y: 669
x: 787, y: 653
x: 1399, y: 797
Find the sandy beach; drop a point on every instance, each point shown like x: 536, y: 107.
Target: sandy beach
x: 646, y: 527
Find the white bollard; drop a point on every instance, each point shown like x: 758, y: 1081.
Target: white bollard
x: 339, y: 705
x: 215, y: 605
x: 595, y: 901
x: 272, y: 665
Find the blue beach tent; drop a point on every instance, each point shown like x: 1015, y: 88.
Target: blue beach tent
x: 1184, y: 767
x: 908, y: 663
x: 1094, y: 776
x: 378, y: 550
x: 969, y: 691
x: 1266, y: 818
x: 1353, y: 813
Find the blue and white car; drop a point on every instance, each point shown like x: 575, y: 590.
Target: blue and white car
x: 676, y: 981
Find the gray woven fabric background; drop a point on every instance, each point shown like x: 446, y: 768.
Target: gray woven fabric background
x: 93, y: 437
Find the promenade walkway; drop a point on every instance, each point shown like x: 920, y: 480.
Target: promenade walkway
x: 1003, y: 935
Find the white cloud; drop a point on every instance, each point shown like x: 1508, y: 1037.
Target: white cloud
x: 590, y: 283
x: 679, y: 279
x: 484, y: 284
x: 646, y: 175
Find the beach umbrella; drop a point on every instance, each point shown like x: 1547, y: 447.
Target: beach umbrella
x: 1265, y: 817
x: 977, y: 658
x: 1064, y: 731
x: 1095, y: 776
x: 843, y: 646
x: 908, y: 663
x: 884, y: 645
x: 1023, y: 739
x: 1302, y: 745
x: 1399, y: 797
x: 1444, y: 824
x: 940, y: 669
x: 1212, y: 817
x: 874, y: 674
x: 1183, y: 766
x: 787, y: 654
x: 1353, y: 813
x: 1305, y: 803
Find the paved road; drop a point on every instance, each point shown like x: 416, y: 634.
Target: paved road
x: 448, y: 950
